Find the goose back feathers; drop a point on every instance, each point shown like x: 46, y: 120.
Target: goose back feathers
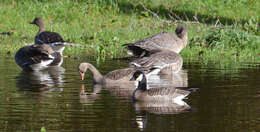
x: 163, y: 41
x: 37, y: 57
x: 167, y: 61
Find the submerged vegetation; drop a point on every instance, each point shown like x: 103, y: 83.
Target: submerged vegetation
x: 218, y: 29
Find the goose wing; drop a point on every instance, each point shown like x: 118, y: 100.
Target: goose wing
x: 48, y: 37
x: 159, y: 59
x: 33, y: 54
x: 167, y: 92
x: 163, y: 40
x: 120, y: 73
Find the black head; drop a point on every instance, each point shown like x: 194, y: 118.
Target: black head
x: 181, y: 31
x: 137, y: 76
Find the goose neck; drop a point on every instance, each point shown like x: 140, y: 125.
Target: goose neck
x: 97, y: 76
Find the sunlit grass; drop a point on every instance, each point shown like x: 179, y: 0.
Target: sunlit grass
x: 102, y: 27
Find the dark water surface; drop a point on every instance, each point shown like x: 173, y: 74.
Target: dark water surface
x: 226, y: 100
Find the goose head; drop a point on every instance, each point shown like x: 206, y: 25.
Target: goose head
x: 140, y: 79
x: 181, y: 32
x: 82, y: 68
x: 39, y: 22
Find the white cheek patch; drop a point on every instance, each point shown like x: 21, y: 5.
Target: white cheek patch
x: 140, y: 78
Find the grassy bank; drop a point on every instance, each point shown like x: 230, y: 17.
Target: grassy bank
x: 218, y: 29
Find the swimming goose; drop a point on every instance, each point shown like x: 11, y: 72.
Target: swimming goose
x: 116, y: 76
x: 37, y: 57
x: 156, y: 94
x: 164, y: 40
x: 43, y: 36
x: 167, y: 61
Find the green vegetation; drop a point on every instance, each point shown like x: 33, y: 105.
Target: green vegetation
x: 218, y: 29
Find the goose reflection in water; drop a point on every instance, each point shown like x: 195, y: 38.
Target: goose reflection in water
x: 179, y: 79
x: 43, y: 80
x: 90, y: 97
x: 165, y: 107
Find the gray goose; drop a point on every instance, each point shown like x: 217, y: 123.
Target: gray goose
x: 164, y: 40
x: 43, y: 36
x: 167, y: 61
x: 156, y: 94
x: 113, y: 77
x: 38, y: 57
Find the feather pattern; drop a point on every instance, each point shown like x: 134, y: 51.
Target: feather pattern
x: 34, y: 57
x: 46, y: 37
x: 163, y: 41
x: 167, y: 61
x: 156, y: 94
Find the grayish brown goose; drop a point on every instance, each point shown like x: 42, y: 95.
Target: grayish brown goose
x: 156, y: 94
x: 163, y: 41
x: 167, y: 61
x: 37, y: 57
x: 43, y: 36
x: 113, y: 77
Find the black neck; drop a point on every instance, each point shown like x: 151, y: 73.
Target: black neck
x: 142, y: 85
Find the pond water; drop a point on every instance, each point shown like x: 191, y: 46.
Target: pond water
x: 226, y: 100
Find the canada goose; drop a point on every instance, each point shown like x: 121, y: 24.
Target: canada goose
x: 116, y: 76
x: 156, y: 94
x: 37, y: 57
x: 167, y: 61
x: 163, y: 41
x: 43, y: 36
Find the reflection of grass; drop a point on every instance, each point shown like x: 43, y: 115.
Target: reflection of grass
x: 103, y: 26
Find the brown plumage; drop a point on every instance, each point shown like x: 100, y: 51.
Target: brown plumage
x: 162, y: 41
x: 167, y: 61
x: 116, y: 76
x: 43, y: 36
x: 37, y: 57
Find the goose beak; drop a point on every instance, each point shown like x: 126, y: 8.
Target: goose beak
x: 31, y: 22
x: 82, y: 76
x: 132, y: 79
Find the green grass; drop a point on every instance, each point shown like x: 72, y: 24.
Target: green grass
x: 103, y: 26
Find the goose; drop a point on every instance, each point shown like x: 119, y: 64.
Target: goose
x: 37, y: 57
x: 43, y: 36
x: 167, y: 61
x: 113, y: 77
x: 158, y: 94
x: 164, y: 41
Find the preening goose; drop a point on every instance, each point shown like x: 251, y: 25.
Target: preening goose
x: 116, y: 76
x: 156, y: 94
x: 43, y: 36
x: 163, y: 41
x: 37, y: 57
x: 167, y: 61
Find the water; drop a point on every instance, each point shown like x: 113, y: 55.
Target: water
x: 226, y: 100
